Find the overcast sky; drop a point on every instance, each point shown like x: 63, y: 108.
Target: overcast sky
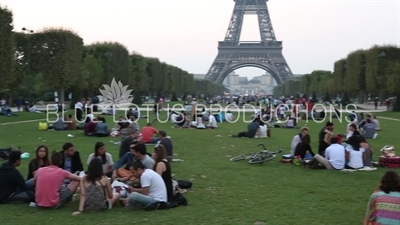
x: 185, y: 33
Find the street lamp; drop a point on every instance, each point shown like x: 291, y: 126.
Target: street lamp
x: 28, y: 61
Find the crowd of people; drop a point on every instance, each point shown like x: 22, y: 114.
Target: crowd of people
x: 53, y: 178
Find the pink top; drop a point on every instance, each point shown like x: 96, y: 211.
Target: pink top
x: 48, y: 182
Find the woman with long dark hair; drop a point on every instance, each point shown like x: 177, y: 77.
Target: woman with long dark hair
x: 96, y: 192
x: 384, y: 204
x: 41, y: 160
x: 355, y: 154
x: 105, y: 157
x: 162, y: 167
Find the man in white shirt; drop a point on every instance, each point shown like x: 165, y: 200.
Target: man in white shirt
x: 212, y: 121
x: 334, y: 156
x: 153, y: 189
x: 79, y: 110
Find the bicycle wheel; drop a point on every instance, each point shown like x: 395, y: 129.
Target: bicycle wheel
x: 241, y: 157
x: 262, y: 158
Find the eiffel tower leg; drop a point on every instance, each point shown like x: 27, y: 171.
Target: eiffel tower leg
x: 235, y: 25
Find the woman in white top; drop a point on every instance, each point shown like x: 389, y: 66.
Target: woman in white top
x: 200, y: 123
x: 106, y: 158
x: 212, y: 122
x: 355, y: 154
x: 263, y: 131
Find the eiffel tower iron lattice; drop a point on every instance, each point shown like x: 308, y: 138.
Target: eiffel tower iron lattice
x: 233, y: 54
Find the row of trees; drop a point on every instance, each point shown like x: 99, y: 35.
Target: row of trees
x: 56, y: 59
x: 374, y: 72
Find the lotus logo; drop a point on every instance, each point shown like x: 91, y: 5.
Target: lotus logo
x: 115, y: 94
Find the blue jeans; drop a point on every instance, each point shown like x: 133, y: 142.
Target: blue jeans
x: 139, y: 199
x: 154, y: 140
x: 31, y: 186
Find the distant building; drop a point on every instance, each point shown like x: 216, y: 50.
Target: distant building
x: 263, y: 84
x: 199, y: 76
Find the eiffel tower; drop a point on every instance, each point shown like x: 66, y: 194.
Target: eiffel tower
x: 266, y: 55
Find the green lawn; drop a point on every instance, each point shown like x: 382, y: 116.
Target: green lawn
x: 223, y: 192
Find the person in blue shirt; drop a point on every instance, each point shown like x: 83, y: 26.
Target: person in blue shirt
x: 102, y: 128
x: 369, y: 130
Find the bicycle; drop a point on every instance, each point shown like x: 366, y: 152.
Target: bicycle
x: 257, y: 157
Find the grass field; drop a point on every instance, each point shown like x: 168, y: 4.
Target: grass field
x: 223, y: 192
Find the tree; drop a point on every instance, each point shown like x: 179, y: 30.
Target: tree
x: 305, y: 84
x: 93, y: 72
x: 139, y: 78
x: 59, y: 56
x: 114, y: 59
x: 339, y: 72
x: 6, y: 48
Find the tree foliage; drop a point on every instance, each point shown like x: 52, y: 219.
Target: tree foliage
x: 6, y: 48
x: 374, y: 72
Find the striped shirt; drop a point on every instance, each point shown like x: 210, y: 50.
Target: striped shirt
x: 383, y: 209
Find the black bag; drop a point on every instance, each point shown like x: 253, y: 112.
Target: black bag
x: 177, y: 200
x: 184, y: 184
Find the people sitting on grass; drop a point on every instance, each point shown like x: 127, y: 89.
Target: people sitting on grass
x: 13, y: 187
x: 353, y: 131
x: 70, y: 122
x: 59, y: 125
x: 368, y: 130
x: 334, y: 156
x: 303, y: 148
x: 125, y: 160
x: 291, y: 122
x: 355, y: 154
x: 263, y: 130
x: 323, y: 142
x: 101, y: 129
x: 384, y: 204
x: 351, y: 121
x: 137, y: 152
x: 147, y: 134
x: 163, y: 168
x: 376, y: 123
x: 199, y: 123
x: 133, y: 124
x: 229, y: 116
x: 368, y: 151
x: 297, y: 138
x: 167, y: 143
x: 152, y: 191
x: 105, y: 157
x: 41, y: 160
x: 95, y: 190
x: 124, y: 129
x: 126, y: 142
x: 51, y: 192
x: 71, y: 159
x: 89, y: 128
x: 32, y: 108
x: 252, y: 129
x: 6, y: 111
x: 212, y: 121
